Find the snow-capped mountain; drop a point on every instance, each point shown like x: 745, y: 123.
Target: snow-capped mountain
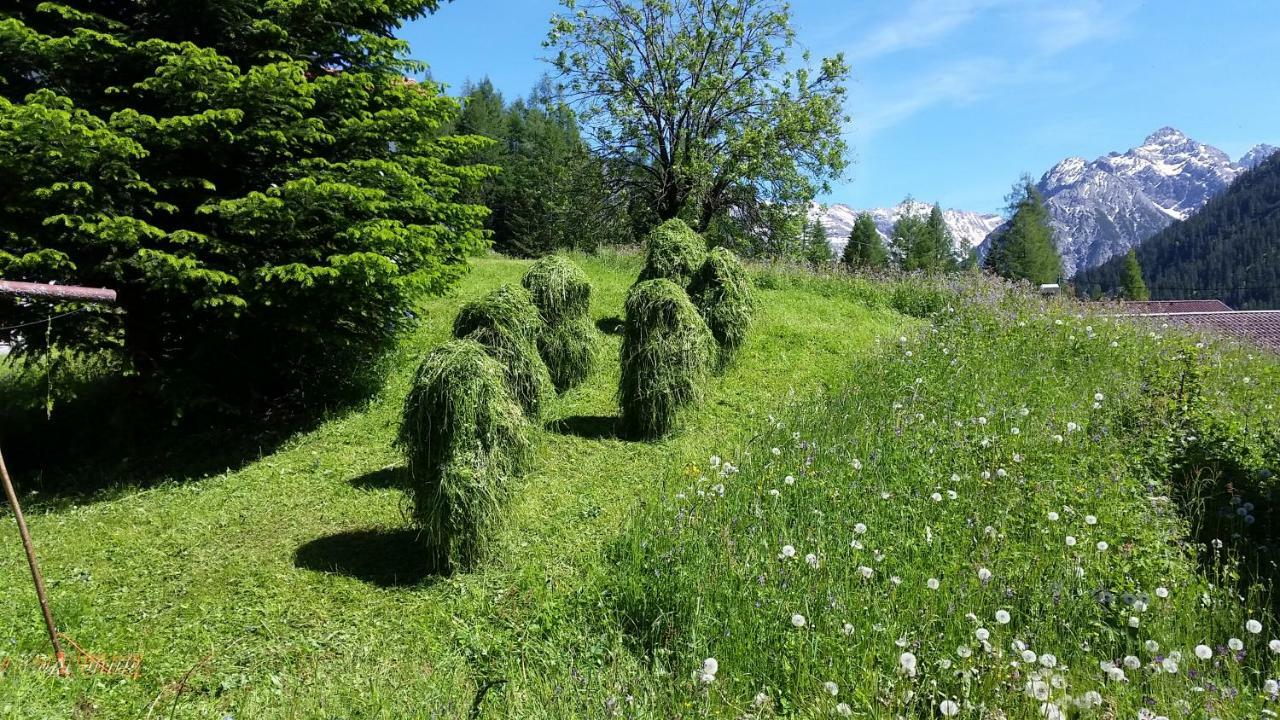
x: 967, y: 228
x: 1102, y: 208
x: 1254, y: 157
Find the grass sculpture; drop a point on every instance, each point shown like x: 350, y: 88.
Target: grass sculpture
x: 721, y: 290
x: 567, y: 342
x: 465, y: 438
x: 673, y: 251
x: 508, y: 325
x: 666, y: 356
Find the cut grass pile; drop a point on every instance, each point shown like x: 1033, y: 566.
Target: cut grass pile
x: 673, y: 251
x: 567, y: 342
x: 466, y: 440
x: 507, y: 324
x: 667, y: 354
x: 291, y: 586
x: 721, y: 290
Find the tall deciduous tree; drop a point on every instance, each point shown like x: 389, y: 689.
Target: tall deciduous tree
x: 1132, y: 287
x: 865, y: 249
x: 260, y: 181
x: 701, y: 99
x: 1024, y: 249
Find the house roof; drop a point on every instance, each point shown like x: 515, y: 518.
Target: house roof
x: 1161, y: 307
x: 1260, y: 327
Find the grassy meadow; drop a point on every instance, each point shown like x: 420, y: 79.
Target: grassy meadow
x: 903, y: 499
x: 292, y: 587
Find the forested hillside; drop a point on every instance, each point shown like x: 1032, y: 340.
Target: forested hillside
x: 1228, y: 250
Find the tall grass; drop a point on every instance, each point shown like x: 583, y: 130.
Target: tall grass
x: 972, y: 525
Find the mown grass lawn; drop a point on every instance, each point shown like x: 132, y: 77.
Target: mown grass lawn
x: 292, y: 587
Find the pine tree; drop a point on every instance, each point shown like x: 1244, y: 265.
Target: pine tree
x: 816, y: 249
x: 1024, y: 250
x: 865, y: 249
x: 264, y: 187
x: 933, y: 250
x: 1131, y: 285
x: 910, y: 237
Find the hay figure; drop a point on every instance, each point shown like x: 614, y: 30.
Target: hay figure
x: 722, y: 292
x: 465, y: 438
x: 568, y: 340
x: 673, y: 251
x: 667, y: 352
x: 508, y: 325
x: 559, y: 288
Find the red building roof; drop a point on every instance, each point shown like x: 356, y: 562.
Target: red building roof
x: 1162, y: 307
x: 1260, y: 327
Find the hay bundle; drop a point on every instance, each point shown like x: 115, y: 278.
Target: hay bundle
x: 567, y: 343
x: 465, y: 438
x: 666, y: 356
x: 559, y: 288
x: 722, y: 292
x: 508, y: 325
x: 673, y: 251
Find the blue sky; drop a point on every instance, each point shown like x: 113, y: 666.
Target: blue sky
x: 951, y: 100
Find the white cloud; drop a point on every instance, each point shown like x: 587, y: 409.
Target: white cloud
x: 1032, y: 32
x: 924, y: 22
x: 1060, y: 26
x: 957, y: 83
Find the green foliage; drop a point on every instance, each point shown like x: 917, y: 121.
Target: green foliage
x: 1225, y: 251
x: 999, y: 471
x: 268, y: 220
x: 817, y: 249
x: 774, y: 232
x: 568, y: 341
x: 465, y: 438
x: 721, y: 290
x: 673, y: 251
x: 925, y: 242
x: 865, y: 249
x: 1024, y: 249
x: 703, y: 103
x: 667, y: 353
x: 1131, y: 285
x: 551, y: 193
x: 508, y: 325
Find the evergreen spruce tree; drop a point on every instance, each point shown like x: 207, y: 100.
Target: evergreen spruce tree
x: 932, y: 249
x: 910, y: 238
x: 1024, y: 250
x: 263, y: 185
x: 1131, y: 285
x: 816, y: 249
x: 865, y: 249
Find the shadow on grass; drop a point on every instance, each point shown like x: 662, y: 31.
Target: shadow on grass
x: 610, y: 325
x: 109, y: 438
x: 395, y: 477
x: 591, y: 427
x: 378, y: 556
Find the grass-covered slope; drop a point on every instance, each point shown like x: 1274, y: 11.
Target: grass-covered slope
x: 294, y: 586
x: 990, y: 518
